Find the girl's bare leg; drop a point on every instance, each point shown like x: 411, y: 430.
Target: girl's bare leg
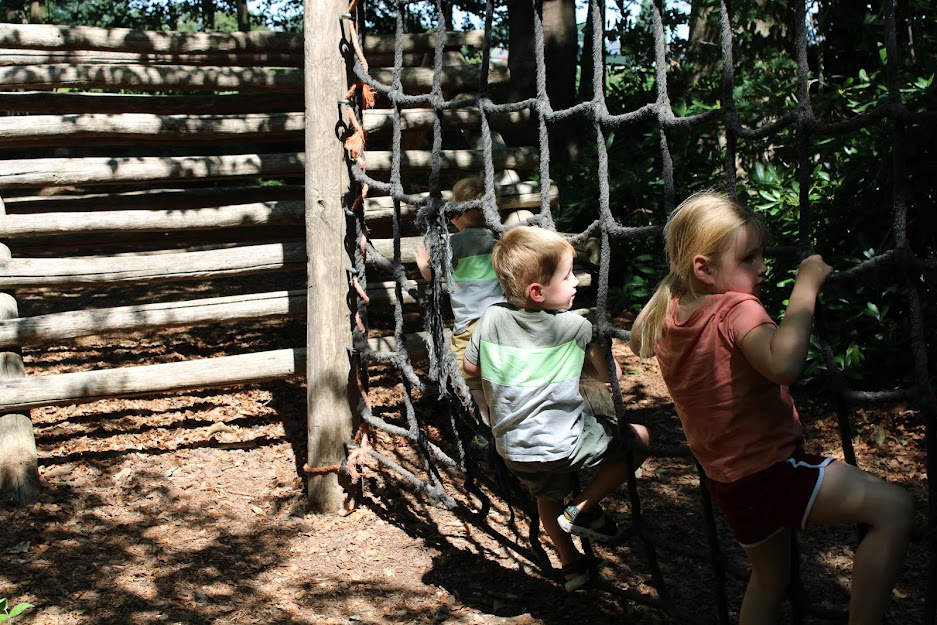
x: 767, y: 587
x: 850, y: 495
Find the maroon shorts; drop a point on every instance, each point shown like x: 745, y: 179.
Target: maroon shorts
x: 781, y: 496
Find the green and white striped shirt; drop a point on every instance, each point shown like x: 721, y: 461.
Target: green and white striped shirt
x: 530, y: 363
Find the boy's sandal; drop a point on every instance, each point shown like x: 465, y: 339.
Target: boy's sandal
x: 583, y: 523
x: 584, y: 571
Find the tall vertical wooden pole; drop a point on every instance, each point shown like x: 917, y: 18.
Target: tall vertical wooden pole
x: 328, y: 335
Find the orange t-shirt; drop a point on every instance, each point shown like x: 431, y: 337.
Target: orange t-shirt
x: 737, y: 422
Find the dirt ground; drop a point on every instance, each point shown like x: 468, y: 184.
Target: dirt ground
x: 190, y: 508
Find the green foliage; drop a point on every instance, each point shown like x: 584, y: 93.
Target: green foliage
x: 7, y: 613
x: 137, y: 14
x: 851, y: 175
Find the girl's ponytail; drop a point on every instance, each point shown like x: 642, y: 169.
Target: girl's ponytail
x: 655, y: 316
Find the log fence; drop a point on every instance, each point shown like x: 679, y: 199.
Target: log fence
x: 93, y: 200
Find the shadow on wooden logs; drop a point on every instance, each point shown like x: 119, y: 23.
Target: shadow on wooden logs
x: 19, y: 472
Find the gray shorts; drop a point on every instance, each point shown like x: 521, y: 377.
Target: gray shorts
x: 598, y: 444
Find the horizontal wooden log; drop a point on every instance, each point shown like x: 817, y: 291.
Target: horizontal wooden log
x: 382, y: 120
x: 79, y: 57
x: 58, y: 37
x: 43, y: 130
x: 416, y: 342
x: 101, y: 244
x: 152, y: 78
x: 55, y: 37
x: 226, y: 59
x: 587, y: 251
x: 124, y: 319
x: 512, y: 197
x: 385, y: 293
x: 142, y: 128
x: 192, y: 103
x: 147, y: 199
x: 86, y: 386
x: 522, y: 158
x: 152, y: 268
x: 422, y: 42
x: 51, y: 172
x: 454, y: 77
x: 172, y: 220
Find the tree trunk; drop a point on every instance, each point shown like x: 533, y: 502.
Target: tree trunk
x: 587, y: 85
x: 521, y: 60
x: 560, y: 48
x: 244, y: 16
x: 704, y: 42
x: 208, y: 15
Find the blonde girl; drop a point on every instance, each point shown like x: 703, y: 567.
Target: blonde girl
x: 727, y: 366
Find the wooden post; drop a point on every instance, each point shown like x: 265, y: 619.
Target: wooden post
x: 19, y: 470
x: 328, y: 335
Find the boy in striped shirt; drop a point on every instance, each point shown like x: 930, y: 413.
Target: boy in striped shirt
x: 530, y: 353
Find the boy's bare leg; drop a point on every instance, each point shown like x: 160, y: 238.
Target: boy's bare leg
x: 850, y: 495
x: 608, y: 477
x: 767, y: 586
x: 549, y: 509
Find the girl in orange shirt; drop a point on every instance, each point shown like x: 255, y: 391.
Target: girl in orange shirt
x: 727, y: 366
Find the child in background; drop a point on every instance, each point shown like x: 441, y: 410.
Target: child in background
x: 530, y: 354
x: 727, y: 366
x: 473, y: 285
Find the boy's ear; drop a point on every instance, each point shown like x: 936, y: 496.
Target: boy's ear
x: 703, y: 269
x: 535, y: 292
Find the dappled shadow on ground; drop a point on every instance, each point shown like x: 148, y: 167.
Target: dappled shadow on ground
x: 190, y: 508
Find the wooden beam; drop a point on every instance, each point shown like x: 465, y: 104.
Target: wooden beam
x: 382, y: 120
x: 148, y: 199
x: 19, y: 468
x: 523, y: 158
x: 190, y: 103
x: 454, y: 77
x: 512, y: 197
x: 152, y: 78
x: 422, y: 42
x: 173, y: 220
x: 53, y: 37
x: 329, y: 379
x: 19, y: 332
x: 152, y: 268
x: 51, y: 172
x: 141, y: 128
x: 86, y: 386
x: 11, y: 57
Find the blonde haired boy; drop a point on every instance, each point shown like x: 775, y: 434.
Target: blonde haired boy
x: 529, y: 353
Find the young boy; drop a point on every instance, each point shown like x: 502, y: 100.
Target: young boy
x: 530, y: 354
x: 473, y: 285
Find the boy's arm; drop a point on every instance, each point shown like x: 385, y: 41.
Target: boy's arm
x: 422, y: 262
x: 596, y: 366
x: 780, y: 353
x: 471, y: 369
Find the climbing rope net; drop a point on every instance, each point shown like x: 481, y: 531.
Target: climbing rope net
x: 901, y: 263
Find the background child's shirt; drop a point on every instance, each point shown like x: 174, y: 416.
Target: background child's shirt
x: 737, y: 422
x: 531, y: 362
x: 473, y: 285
